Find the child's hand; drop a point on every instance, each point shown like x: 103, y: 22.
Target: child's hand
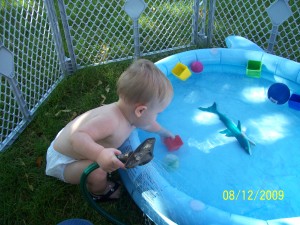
x: 108, y: 161
x: 164, y: 133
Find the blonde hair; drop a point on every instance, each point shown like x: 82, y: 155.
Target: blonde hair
x: 143, y: 83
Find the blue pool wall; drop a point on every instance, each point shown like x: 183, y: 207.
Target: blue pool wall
x: 223, y: 60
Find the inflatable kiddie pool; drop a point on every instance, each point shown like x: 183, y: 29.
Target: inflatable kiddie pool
x: 211, y: 179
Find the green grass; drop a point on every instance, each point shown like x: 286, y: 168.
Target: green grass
x: 27, y: 195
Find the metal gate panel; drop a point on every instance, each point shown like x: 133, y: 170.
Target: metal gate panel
x: 100, y: 31
x: 166, y: 25
x: 250, y: 19
x: 96, y: 31
x: 26, y: 33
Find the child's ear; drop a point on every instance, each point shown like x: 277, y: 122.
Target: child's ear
x: 139, y: 110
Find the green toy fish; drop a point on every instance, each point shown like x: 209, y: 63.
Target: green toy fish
x: 232, y: 129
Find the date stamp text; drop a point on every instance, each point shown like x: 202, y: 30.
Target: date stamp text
x: 253, y: 195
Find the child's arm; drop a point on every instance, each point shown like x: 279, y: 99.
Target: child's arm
x: 106, y: 157
x: 83, y: 141
x: 170, y: 140
x: 155, y: 127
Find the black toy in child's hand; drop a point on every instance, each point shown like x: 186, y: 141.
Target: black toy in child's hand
x: 142, y: 155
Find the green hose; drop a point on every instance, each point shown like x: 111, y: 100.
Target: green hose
x: 89, y: 198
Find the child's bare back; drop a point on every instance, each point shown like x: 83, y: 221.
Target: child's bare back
x: 106, y: 125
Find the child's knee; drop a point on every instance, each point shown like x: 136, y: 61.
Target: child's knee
x: 97, y: 176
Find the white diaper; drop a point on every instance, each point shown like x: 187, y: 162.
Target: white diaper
x: 56, y: 163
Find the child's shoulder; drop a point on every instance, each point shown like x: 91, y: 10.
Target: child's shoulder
x: 107, y: 111
x: 103, y: 116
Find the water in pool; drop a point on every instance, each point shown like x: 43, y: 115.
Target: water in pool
x: 214, y: 168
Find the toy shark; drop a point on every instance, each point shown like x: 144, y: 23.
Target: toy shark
x: 232, y: 130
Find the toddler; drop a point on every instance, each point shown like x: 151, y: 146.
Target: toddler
x: 144, y: 92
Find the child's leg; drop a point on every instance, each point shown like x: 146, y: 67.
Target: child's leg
x: 96, y: 181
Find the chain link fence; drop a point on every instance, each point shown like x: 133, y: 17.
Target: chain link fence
x: 251, y: 20
x: 96, y: 31
x: 25, y: 33
x: 101, y: 31
x: 166, y: 25
x: 51, y: 38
